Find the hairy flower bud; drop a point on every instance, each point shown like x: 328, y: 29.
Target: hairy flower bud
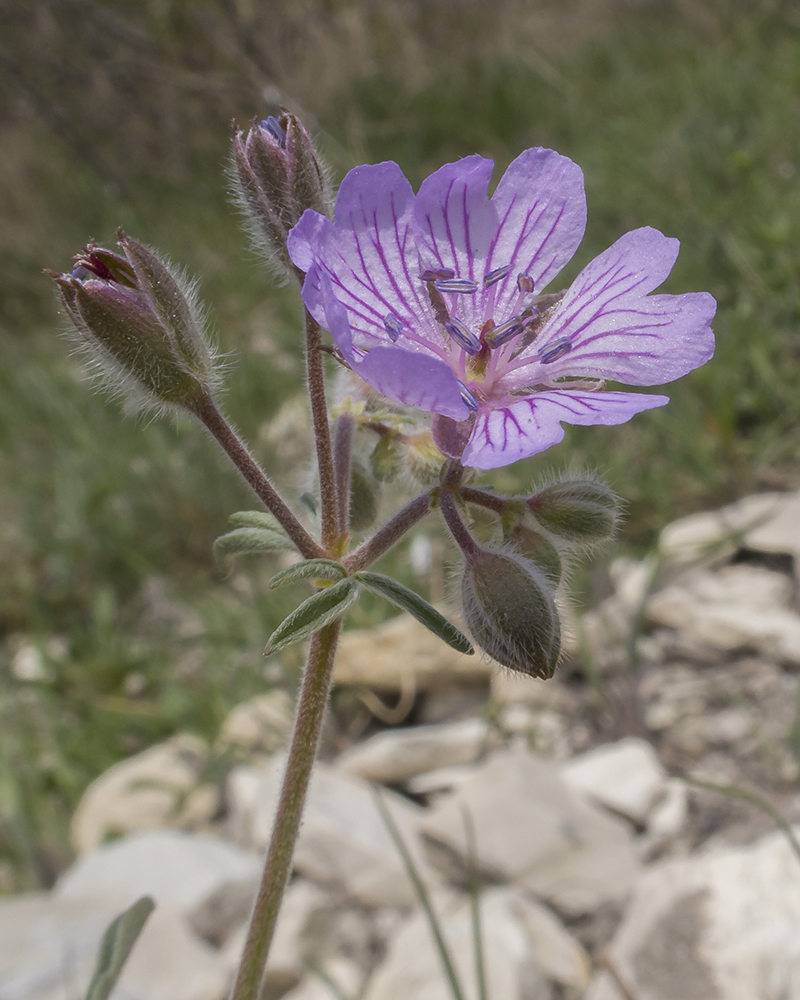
x: 278, y: 175
x: 140, y: 322
x: 579, y: 510
x: 538, y: 549
x: 510, y: 611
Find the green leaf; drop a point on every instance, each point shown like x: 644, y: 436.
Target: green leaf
x: 256, y: 519
x: 309, y: 569
x: 314, y: 614
x: 118, y: 940
x: 246, y: 541
x: 425, y: 613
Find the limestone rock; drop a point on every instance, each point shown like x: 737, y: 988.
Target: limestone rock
x: 157, y: 788
x: 291, y: 945
x: 443, y: 779
x: 625, y: 776
x: 723, y: 531
x: 401, y: 653
x: 262, y: 725
x: 721, y: 926
x: 526, y: 953
x: 395, y: 755
x: 343, y: 841
x: 192, y: 873
x: 532, y: 829
x: 48, y: 949
x: 737, y: 607
x: 347, y: 976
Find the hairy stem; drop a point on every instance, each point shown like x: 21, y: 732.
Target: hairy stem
x: 322, y: 435
x: 391, y: 533
x: 205, y: 409
x: 484, y: 499
x: 458, y: 529
x: 305, y: 740
x: 342, y: 463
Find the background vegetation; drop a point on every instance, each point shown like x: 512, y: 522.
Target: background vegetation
x: 115, y: 627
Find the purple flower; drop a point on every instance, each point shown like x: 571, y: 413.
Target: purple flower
x: 438, y: 302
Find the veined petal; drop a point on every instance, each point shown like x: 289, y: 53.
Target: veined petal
x: 368, y: 252
x: 414, y: 379
x: 503, y: 436
x: 454, y: 222
x: 541, y: 208
x: 326, y: 309
x: 618, y: 331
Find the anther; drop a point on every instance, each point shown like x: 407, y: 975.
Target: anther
x: 437, y: 274
x: 464, y: 337
x: 275, y: 129
x: 500, y: 335
x: 467, y: 396
x: 524, y: 283
x: 496, y: 275
x: 81, y: 273
x: 465, y: 285
x: 393, y: 326
x: 557, y: 349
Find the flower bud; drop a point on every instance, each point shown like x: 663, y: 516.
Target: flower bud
x: 538, y: 549
x: 579, y: 510
x: 363, y: 499
x: 278, y: 175
x: 423, y: 458
x: 140, y: 323
x: 510, y: 611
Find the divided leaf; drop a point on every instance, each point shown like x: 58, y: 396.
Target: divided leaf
x: 246, y: 541
x: 118, y: 940
x: 309, y: 569
x: 415, y: 605
x: 318, y: 611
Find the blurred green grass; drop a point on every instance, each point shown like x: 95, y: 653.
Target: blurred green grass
x: 683, y: 116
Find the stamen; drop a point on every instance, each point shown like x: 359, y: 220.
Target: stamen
x: 467, y: 396
x: 557, y: 349
x: 437, y: 274
x: 464, y: 337
x: 465, y: 285
x: 496, y: 275
x: 273, y: 126
x: 525, y: 283
x: 393, y: 326
x: 500, y: 335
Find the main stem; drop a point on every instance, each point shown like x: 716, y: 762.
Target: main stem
x: 305, y: 740
x: 315, y: 374
x: 205, y: 409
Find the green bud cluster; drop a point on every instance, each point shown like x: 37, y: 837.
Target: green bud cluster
x: 141, y: 323
x: 580, y: 511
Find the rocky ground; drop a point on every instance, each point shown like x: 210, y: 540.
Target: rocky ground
x: 614, y: 865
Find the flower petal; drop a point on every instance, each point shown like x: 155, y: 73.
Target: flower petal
x: 327, y: 310
x: 620, y: 332
x: 525, y: 428
x: 541, y: 208
x: 414, y: 379
x: 368, y: 252
x: 454, y: 221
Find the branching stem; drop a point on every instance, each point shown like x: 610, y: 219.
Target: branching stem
x: 391, y: 533
x: 342, y: 464
x: 315, y: 374
x: 205, y: 409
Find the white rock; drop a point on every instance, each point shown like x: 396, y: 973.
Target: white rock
x: 157, y: 788
x: 190, y: 872
x: 395, y: 755
x: 723, y: 530
x: 668, y: 817
x: 343, y: 841
x: 738, y: 607
x: 259, y: 726
x: 402, y: 653
x: 532, y: 829
x: 412, y: 969
x: 48, y: 950
x: 625, y: 776
x: 561, y: 957
x: 27, y: 664
x: 443, y: 779
x: 725, y: 925
x: 347, y: 976
x: 291, y: 945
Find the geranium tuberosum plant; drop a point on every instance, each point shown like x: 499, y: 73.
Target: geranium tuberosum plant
x: 440, y: 303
